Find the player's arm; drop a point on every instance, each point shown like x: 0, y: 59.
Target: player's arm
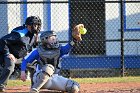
x: 9, y: 39
x: 65, y: 49
x: 76, y: 38
x: 28, y: 59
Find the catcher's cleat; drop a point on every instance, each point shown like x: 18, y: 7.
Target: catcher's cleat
x: 34, y: 90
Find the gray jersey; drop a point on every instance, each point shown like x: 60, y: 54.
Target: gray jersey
x: 50, y: 56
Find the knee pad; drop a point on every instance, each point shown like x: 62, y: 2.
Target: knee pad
x: 72, y: 87
x: 48, y: 69
x: 42, y: 77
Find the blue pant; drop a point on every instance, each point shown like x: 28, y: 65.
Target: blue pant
x: 7, y: 70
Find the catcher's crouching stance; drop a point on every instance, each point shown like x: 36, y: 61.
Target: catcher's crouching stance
x: 48, y: 54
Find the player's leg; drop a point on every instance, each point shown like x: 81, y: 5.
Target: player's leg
x: 56, y: 83
x: 6, y: 72
x: 31, y: 71
x: 42, y: 77
x: 72, y: 86
x: 61, y: 83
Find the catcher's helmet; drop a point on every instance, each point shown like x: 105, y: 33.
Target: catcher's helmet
x: 33, y: 20
x: 45, y: 35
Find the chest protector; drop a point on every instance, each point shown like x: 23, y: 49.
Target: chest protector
x: 49, y: 56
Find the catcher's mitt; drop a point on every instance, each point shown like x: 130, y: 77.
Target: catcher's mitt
x: 76, y: 32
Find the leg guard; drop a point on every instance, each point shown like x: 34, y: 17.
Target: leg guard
x: 72, y: 87
x: 42, y: 77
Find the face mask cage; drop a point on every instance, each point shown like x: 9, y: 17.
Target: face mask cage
x: 50, y: 45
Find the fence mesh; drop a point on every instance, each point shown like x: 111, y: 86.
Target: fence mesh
x: 100, y: 52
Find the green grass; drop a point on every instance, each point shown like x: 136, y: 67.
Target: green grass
x: 18, y: 83
x: 108, y: 80
x: 84, y: 80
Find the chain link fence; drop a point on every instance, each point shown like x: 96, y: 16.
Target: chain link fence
x: 111, y: 46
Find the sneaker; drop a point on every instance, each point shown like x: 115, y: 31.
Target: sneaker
x: 2, y: 90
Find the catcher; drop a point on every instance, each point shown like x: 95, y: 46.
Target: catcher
x: 48, y: 54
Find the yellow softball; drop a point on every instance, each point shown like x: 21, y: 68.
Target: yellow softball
x: 83, y: 31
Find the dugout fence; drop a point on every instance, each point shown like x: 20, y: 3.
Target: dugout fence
x: 111, y: 46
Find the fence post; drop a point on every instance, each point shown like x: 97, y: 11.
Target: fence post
x: 122, y: 38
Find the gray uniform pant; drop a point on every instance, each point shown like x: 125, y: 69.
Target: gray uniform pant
x: 6, y: 71
x: 55, y: 82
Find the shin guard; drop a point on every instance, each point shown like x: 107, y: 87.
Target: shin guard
x: 43, y: 76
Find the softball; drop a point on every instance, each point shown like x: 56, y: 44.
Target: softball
x: 83, y: 31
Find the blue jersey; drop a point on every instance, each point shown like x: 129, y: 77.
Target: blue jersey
x: 16, y: 42
x: 34, y: 55
x: 21, y: 30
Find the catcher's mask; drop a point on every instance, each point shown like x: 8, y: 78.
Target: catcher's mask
x: 33, y: 21
x: 49, y: 40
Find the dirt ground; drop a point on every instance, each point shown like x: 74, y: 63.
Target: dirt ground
x: 132, y: 87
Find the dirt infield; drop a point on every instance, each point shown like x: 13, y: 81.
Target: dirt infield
x: 132, y: 87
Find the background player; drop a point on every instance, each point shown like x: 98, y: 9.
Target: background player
x: 16, y: 45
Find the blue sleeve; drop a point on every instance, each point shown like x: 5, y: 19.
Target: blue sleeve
x: 65, y: 49
x: 21, y: 30
x: 34, y: 55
